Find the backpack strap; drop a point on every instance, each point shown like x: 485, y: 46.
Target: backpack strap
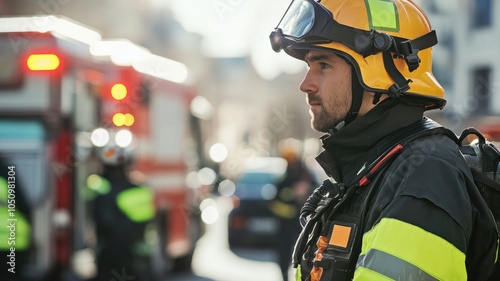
x: 483, y: 159
x: 391, y: 146
x: 490, y: 156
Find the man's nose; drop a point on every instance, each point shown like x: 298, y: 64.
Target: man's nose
x: 308, y: 85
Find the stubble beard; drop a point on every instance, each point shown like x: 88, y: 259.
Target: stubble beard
x: 331, y: 113
x: 323, y: 121
x: 327, y: 117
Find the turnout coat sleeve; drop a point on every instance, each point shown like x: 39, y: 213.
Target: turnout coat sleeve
x: 419, y: 218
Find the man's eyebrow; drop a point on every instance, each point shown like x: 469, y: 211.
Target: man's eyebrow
x: 314, y: 58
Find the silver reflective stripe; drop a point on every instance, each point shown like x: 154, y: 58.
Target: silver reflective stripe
x: 391, y: 266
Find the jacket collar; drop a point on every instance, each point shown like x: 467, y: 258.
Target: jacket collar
x: 345, y: 149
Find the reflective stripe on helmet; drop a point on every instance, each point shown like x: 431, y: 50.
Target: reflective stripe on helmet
x: 382, y: 15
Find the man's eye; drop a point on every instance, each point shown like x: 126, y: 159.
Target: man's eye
x: 324, y: 65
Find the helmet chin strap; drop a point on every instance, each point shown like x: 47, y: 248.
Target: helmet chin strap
x: 357, y: 98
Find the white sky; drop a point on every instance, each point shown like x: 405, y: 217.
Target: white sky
x: 235, y: 28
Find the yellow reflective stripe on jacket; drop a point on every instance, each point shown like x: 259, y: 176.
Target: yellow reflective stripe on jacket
x: 365, y: 274
x: 137, y: 203
x: 404, y: 245
x: 298, y: 273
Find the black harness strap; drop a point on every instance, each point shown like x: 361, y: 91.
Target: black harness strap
x: 407, y: 49
x: 401, y: 84
x: 425, y: 41
x: 357, y: 97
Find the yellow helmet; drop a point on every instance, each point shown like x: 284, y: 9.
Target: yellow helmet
x: 372, y: 35
x: 290, y: 149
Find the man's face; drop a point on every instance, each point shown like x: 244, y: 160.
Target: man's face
x: 327, y: 85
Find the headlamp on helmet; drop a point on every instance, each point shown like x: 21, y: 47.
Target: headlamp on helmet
x: 113, y: 147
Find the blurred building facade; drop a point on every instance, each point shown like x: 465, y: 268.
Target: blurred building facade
x: 466, y: 59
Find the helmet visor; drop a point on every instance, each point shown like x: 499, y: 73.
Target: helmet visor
x: 305, y: 21
x: 298, y: 20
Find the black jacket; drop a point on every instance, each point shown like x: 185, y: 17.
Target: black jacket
x: 420, y: 218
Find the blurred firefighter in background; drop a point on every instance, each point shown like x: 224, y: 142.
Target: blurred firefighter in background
x: 122, y: 212
x: 15, y: 229
x: 293, y: 189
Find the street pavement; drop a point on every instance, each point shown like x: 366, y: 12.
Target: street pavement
x: 214, y: 261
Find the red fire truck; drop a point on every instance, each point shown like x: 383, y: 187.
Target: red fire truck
x: 148, y: 96
x: 56, y: 87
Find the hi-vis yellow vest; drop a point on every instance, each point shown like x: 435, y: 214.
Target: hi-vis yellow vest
x: 15, y: 230
x: 136, y: 203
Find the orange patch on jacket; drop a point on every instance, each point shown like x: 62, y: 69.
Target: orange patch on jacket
x: 340, y: 235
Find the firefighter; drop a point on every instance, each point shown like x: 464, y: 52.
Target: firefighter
x: 384, y: 213
x: 293, y: 190
x: 121, y: 212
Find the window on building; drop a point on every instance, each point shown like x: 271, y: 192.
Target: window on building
x: 481, y: 13
x: 481, y: 90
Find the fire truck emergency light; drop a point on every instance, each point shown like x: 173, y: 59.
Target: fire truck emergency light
x: 118, y: 91
x: 123, y: 119
x: 43, y: 62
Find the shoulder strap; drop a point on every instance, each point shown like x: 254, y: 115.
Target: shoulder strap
x: 425, y: 127
x: 489, y: 152
x: 391, y: 146
x: 483, y: 158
